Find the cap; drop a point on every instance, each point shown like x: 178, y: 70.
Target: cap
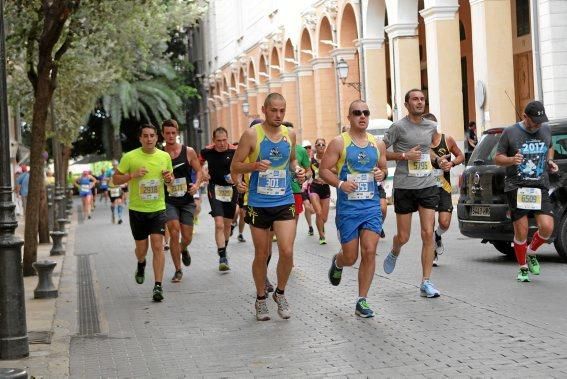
x: 306, y: 143
x: 536, y: 112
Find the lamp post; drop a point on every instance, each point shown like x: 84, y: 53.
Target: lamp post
x: 245, y: 107
x: 342, y: 72
x: 13, y: 331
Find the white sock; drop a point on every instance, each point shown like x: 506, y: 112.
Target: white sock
x: 439, y: 231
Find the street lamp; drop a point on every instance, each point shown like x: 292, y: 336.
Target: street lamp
x: 245, y: 107
x: 342, y: 72
x: 196, y: 124
x: 13, y: 331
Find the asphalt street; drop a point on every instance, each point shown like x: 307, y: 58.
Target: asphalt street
x: 484, y: 324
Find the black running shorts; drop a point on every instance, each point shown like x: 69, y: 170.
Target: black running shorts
x: 143, y: 224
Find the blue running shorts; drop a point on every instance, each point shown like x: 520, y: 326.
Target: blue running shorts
x: 349, y: 226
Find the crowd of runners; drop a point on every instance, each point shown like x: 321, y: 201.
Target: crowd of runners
x: 267, y: 179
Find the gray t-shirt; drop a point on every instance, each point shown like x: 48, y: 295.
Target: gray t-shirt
x: 532, y: 172
x: 403, y: 135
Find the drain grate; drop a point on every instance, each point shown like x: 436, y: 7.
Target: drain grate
x: 43, y: 337
x: 88, y: 311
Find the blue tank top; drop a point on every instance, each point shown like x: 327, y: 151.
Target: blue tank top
x: 357, y: 164
x: 271, y: 188
x: 84, y: 185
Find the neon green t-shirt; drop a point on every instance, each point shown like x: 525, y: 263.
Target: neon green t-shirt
x: 303, y: 160
x: 146, y: 192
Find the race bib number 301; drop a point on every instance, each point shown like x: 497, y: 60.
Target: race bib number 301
x: 149, y: 189
x: 272, y: 182
x: 528, y: 198
x: 420, y: 168
x: 365, y: 186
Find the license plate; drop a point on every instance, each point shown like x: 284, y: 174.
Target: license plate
x: 480, y: 211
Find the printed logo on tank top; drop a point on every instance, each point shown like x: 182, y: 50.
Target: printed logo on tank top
x: 363, y: 158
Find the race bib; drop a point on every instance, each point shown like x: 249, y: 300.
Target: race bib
x: 149, y: 189
x: 178, y: 187
x: 85, y: 188
x: 420, y: 168
x: 223, y: 193
x: 272, y: 182
x: 115, y: 192
x: 365, y: 186
x: 529, y: 198
x: 104, y: 183
x: 438, y: 173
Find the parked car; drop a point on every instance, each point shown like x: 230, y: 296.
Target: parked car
x: 482, y: 209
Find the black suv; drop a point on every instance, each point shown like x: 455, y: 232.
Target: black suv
x: 482, y: 209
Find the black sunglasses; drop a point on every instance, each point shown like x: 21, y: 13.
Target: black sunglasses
x: 320, y: 145
x: 358, y: 112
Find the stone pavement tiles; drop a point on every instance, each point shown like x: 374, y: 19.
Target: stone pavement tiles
x: 205, y: 327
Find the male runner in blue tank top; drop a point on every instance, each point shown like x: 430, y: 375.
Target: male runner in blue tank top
x: 360, y: 162
x: 270, y: 149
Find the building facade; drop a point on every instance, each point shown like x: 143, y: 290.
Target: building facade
x: 476, y: 60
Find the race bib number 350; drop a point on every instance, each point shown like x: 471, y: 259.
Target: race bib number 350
x: 529, y: 198
x: 420, y: 168
x: 149, y: 189
x: 272, y: 182
x: 365, y: 186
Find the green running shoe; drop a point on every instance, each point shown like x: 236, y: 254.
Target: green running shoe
x: 363, y: 310
x: 139, y: 276
x: 533, y: 264
x: 158, y: 293
x: 322, y: 241
x: 335, y: 273
x: 523, y: 275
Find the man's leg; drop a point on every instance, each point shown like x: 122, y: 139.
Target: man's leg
x: 541, y: 236
x: 521, y: 247
x: 156, y: 241
x: 173, y: 227
x: 368, y: 244
x: 426, y: 220
x: 403, y: 221
x: 285, y: 233
x: 219, y: 231
x: 262, y: 241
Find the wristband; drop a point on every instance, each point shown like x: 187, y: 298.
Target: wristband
x: 339, y: 185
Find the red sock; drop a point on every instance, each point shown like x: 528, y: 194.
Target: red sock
x: 537, y: 241
x: 520, y: 250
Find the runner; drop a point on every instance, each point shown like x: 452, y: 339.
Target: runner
x: 85, y: 183
x: 270, y: 149
x: 360, y: 160
x: 526, y: 150
x: 309, y: 211
x: 319, y: 191
x: 222, y: 194
x: 94, y: 191
x: 415, y: 188
x: 147, y: 168
x: 443, y: 146
x: 102, y: 180
x: 179, y: 201
x: 116, y: 195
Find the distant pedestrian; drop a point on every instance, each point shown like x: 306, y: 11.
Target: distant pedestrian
x: 85, y: 183
x: 22, y: 186
x: 472, y: 139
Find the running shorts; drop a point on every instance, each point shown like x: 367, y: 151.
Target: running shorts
x: 409, y: 200
x: 322, y: 190
x: 183, y: 213
x: 517, y: 213
x: 349, y: 226
x: 264, y: 217
x: 445, y: 201
x: 225, y: 209
x: 298, y: 203
x: 143, y: 224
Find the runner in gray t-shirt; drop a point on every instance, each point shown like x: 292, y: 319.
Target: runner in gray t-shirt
x: 415, y: 188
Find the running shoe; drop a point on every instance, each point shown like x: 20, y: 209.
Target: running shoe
x: 310, y: 232
x: 185, y: 257
x: 89, y: 216
x: 262, y: 313
x: 140, y: 276
x: 533, y: 264
x: 322, y: 241
x: 268, y: 286
x: 428, y: 290
x: 223, y: 264
x: 435, y: 260
x: 439, y: 248
x: 362, y: 309
x: 382, y: 234
x: 195, y: 220
x: 232, y: 226
x: 166, y: 247
x: 241, y: 238
x: 390, y: 263
x: 119, y: 221
x: 283, y: 306
x: 523, y: 275
x: 177, y: 276
x: 158, y: 293
x: 335, y: 273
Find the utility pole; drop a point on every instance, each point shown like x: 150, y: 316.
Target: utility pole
x: 13, y: 330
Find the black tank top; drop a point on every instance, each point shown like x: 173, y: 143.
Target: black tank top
x: 440, y: 150
x: 181, y: 169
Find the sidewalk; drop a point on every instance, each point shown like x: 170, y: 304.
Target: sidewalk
x: 50, y: 322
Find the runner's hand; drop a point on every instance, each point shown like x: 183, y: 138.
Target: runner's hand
x: 263, y: 165
x: 518, y: 158
x: 348, y: 187
x: 241, y: 187
x: 414, y: 154
x: 552, y: 166
x: 141, y: 172
x: 193, y: 188
x: 300, y: 174
x: 378, y: 174
x: 167, y: 176
x: 444, y: 162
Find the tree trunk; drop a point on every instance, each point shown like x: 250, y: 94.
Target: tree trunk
x: 116, y: 145
x: 65, y: 156
x: 43, y: 224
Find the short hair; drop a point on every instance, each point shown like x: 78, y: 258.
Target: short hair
x: 410, y: 91
x: 472, y: 123
x: 430, y: 116
x: 171, y: 123
x: 146, y: 126
x: 273, y: 96
x: 353, y: 103
x: 218, y: 130
x: 287, y: 124
x: 320, y: 139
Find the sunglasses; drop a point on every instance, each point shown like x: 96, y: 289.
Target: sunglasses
x: 320, y: 145
x: 358, y: 112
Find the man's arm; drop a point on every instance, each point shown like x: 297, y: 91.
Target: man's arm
x: 245, y: 147
x: 329, y: 161
x: 454, y: 149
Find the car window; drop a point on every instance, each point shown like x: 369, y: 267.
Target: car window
x: 486, y: 149
x: 560, y: 146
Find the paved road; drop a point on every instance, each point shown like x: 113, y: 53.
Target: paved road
x: 485, y: 323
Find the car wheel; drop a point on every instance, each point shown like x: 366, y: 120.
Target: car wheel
x: 505, y: 247
x: 561, y: 238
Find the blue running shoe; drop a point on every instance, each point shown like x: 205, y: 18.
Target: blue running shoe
x: 428, y: 290
x: 363, y: 310
x: 390, y: 263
